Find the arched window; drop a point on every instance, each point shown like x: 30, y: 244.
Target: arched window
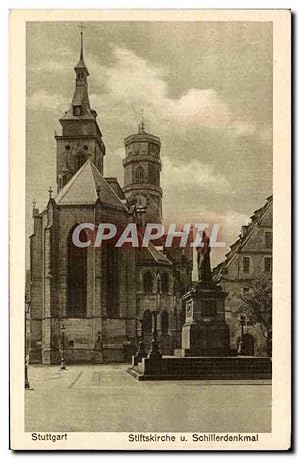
x: 140, y: 175
x: 147, y: 321
x: 164, y: 323
x: 148, y: 282
x: 77, y: 277
x: 164, y: 283
x: 112, y: 279
x: 80, y: 160
x: 60, y: 182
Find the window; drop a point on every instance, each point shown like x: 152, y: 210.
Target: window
x: 62, y: 180
x: 147, y: 322
x: 246, y: 290
x: 164, y: 323
x: 268, y: 239
x: 80, y: 160
x: 246, y: 264
x: 112, y: 279
x: 77, y: 110
x: 164, y: 283
x: 148, y: 282
x: 140, y: 175
x: 267, y: 264
x: 77, y: 277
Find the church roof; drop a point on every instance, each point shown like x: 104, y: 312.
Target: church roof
x: 81, y: 63
x: 114, y: 184
x: 236, y: 247
x: 151, y: 254
x: 83, y: 186
x: 157, y: 255
x: 85, y: 115
x: 81, y: 97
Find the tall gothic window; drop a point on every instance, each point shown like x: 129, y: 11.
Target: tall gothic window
x: 164, y: 283
x: 80, y: 160
x: 147, y: 321
x: 164, y: 323
x: 148, y: 282
x: 112, y: 280
x: 140, y: 175
x: 77, y: 277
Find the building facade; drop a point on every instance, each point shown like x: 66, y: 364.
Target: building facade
x: 249, y: 259
x: 93, y: 301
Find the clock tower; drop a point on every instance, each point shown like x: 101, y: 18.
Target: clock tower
x: 142, y: 168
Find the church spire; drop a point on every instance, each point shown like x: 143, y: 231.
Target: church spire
x: 142, y: 124
x: 81, y: 64
x: 80, y: 102
x: 81, y: 137
x: 81, y: 40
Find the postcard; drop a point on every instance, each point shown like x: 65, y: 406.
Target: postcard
x: 150, y: 222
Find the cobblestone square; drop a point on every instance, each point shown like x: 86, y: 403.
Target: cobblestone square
x: 104, y: 398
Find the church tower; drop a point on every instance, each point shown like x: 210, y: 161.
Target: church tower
x: 142, y: 168
x: 81, y: 136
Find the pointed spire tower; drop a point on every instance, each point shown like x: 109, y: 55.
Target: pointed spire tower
x: 80, y: 100
x: 81, y: 137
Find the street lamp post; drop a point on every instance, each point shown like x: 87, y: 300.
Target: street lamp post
x: 62, y: 356
x: 241, y: 344
x: 141, y: 352
x: 27, y: 345
x: 155, y: 350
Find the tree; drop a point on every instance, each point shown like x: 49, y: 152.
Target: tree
x: 258, y: 304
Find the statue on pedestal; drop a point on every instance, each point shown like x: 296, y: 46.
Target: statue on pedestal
x: 205, y: 332
x: 203, y: 260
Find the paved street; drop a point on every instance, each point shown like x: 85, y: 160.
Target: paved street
x: 105, y: 398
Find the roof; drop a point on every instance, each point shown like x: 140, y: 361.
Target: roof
x: 245, y: 235
x: 151, y: 253
x: 86, y: 115
x: 81, y: 64
x: 157, y: 255
x: 114, y: 184
x: 81, y: 97
x: 82, y: 189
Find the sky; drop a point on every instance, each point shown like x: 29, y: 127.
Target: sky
x: 206, y: 91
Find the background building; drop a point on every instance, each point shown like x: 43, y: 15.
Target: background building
x: 249, y: 258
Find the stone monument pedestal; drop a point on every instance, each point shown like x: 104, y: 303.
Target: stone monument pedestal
x: 205, y: 332
x: 205, y: 350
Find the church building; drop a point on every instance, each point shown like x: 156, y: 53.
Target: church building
x: 94, y: 301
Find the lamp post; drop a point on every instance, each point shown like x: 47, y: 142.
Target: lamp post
x: 242, y: 324
x: 62, y: 356
x: 141, y: 352
x: 155, y: 351
x: 27, y: 345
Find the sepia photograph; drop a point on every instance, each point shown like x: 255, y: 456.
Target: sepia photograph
x: 148, y: 271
